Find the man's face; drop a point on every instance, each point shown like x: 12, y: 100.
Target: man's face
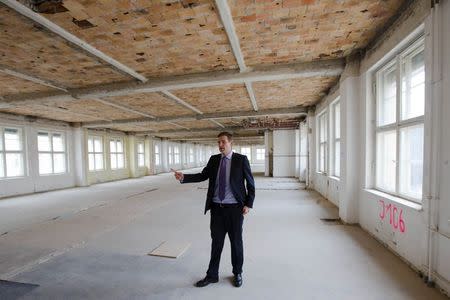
x: 224, y: 145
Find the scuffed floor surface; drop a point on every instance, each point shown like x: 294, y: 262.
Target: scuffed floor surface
x: 91, y: 243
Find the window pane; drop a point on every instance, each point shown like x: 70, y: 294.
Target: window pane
x: 98, y: 145
x: 112, y: 146
x: 337, y: 121
x: 141, y: 161
x: 140, y: 148
x: 113, y: 161
x: 91, y: 162
x: 43, y: 141
x: 99, y: 161
x: 45, y: 163
x: 2, y: 166
x: 12, y: 140
x: 90, y: 145
x: 119, y: 146
x: 1, y: 140
x: 386, y: 153
x: 156, y: 149
x: 157, y: 161
x: 386, y: 101
x: 120, y: 161
x: 413, y: 86
x: 337, y: 158
x: 59, y: 161
x: 14, y: 164
x: 322, y: 155
x: 58, y: 143
x: 411, y: 161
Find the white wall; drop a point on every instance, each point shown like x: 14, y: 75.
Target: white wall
x: 407, y: 233
x: 33, y: 182
x: 284, y: 153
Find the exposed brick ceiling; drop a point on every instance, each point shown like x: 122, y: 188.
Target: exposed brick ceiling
x: 162, y: 39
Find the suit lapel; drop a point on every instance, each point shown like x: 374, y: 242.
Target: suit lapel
x: 216, y: 166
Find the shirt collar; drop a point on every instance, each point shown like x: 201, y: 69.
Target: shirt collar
x: 229, y: 155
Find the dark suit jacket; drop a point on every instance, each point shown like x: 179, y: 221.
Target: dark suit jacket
x: 240, y: 171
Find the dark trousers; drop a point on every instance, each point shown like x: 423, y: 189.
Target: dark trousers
x: 227, y: 219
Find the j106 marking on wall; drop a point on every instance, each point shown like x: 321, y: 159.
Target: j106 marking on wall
x: 395, y: 216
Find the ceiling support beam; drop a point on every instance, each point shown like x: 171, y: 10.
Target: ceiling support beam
x: 34, y: 79
x: 207, y: 130
x: 228, y: 24
x: 172, y: 97
x: 251, y: 94
x: 177, y: 125
x: 217, y: 123
x: 27, y: 12
x: 271, y: 73
x: 301, y: 111
x: 123, y: 107
x: 227, y: 21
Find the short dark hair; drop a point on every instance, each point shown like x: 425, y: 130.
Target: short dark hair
x: 227, y: 134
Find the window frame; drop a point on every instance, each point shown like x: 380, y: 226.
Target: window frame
x: 176, y: 155
x: 170, y: 155
x: 249, y: 155
x: 140, y: 142
x: 116, y: 140
x: 52, y: 152
x: 23, y: 151
x: 101, y: 138
x: 322, y: 114
x: 157, y: 154
x: 335, y: 139
x: 415, y: 47
x: 263, y: 154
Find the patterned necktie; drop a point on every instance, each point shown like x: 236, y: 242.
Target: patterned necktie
x: 222, y: 178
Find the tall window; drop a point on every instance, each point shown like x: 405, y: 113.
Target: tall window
x: 52, y: 153
x: 323, y: 138
x: 247, y: 151
x: 157, y: 156
x: 336, y: 110
x: 95, y: 153
x: 141, y: 154
x: 400, y: 97
x: 176, y: 154
x: 117, y: 154
x: 260, y: 153
x: 170, y: 155
x: 191, y: 155
x: 200, y: 154
x: 11, y: 153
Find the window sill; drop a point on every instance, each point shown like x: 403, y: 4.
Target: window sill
x: 335, y: 178
x: 402, y: 201
x: 53, y: 174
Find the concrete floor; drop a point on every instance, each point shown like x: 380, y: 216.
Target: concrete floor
x: 91, y: 243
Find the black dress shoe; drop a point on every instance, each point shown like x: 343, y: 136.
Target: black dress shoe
x: 205, y: 281
x: 237, y: 280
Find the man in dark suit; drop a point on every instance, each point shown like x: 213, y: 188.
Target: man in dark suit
x: 229, y: 199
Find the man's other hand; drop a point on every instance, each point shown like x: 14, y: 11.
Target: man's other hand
x: 178, y: 175
x: 245, y: 210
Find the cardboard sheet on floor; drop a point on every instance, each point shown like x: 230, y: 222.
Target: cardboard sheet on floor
x: 171, y: 249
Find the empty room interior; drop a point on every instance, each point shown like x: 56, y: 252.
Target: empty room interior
x: 337, y: 106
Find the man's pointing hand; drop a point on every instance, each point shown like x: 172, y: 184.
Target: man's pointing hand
x: 178, y: 175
